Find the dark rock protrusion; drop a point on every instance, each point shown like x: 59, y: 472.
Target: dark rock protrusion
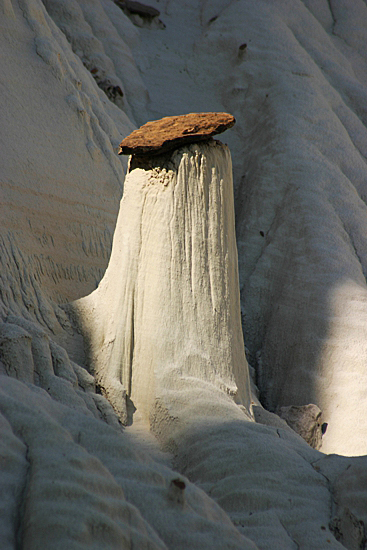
x: 158, y: 136
x: 137, y: 8
x: 176, y: 490
x: 349, y: 530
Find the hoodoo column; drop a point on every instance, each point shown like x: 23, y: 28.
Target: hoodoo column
x: 167, y: 311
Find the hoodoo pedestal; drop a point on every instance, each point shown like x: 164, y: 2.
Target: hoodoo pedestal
x: 166, y: 315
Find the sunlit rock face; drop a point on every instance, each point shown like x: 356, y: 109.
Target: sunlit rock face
x: 168, y: 307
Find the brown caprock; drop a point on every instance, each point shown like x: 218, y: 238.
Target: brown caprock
x: 158, y: 136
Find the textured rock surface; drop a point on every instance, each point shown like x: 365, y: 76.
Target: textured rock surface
x: 168, y: 133
x: 348, y: 480
x: 56, y: 233
x: 299, y: 158
x: 168, y: 305
x: 77, y: 76
x: 306, y: 420
x: 164, y: 325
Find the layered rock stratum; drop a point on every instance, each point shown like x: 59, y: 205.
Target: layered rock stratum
x: 127, y: 415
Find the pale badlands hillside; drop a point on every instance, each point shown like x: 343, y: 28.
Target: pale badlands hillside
x: 193, y: 469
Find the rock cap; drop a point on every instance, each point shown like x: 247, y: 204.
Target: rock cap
x: 158, y: 136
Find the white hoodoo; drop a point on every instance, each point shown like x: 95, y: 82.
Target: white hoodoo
x: 167, y: 311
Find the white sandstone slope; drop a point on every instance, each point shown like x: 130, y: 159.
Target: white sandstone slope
x: 60, y: 174
x: 69, y: 480
x: 168, y: 308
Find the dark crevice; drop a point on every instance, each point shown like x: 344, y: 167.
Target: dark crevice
x: 329, y: 487
x: 289, y: 535
x: 132, y: 344
x: 333, y: 17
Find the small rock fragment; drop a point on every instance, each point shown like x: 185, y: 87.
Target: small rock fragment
x: 306, y: 421
x: 158, y: 136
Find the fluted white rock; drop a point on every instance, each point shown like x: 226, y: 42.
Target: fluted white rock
x: 167, y: 309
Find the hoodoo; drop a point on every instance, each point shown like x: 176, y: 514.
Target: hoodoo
x: 162, y: 330
x: 166, y: 317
